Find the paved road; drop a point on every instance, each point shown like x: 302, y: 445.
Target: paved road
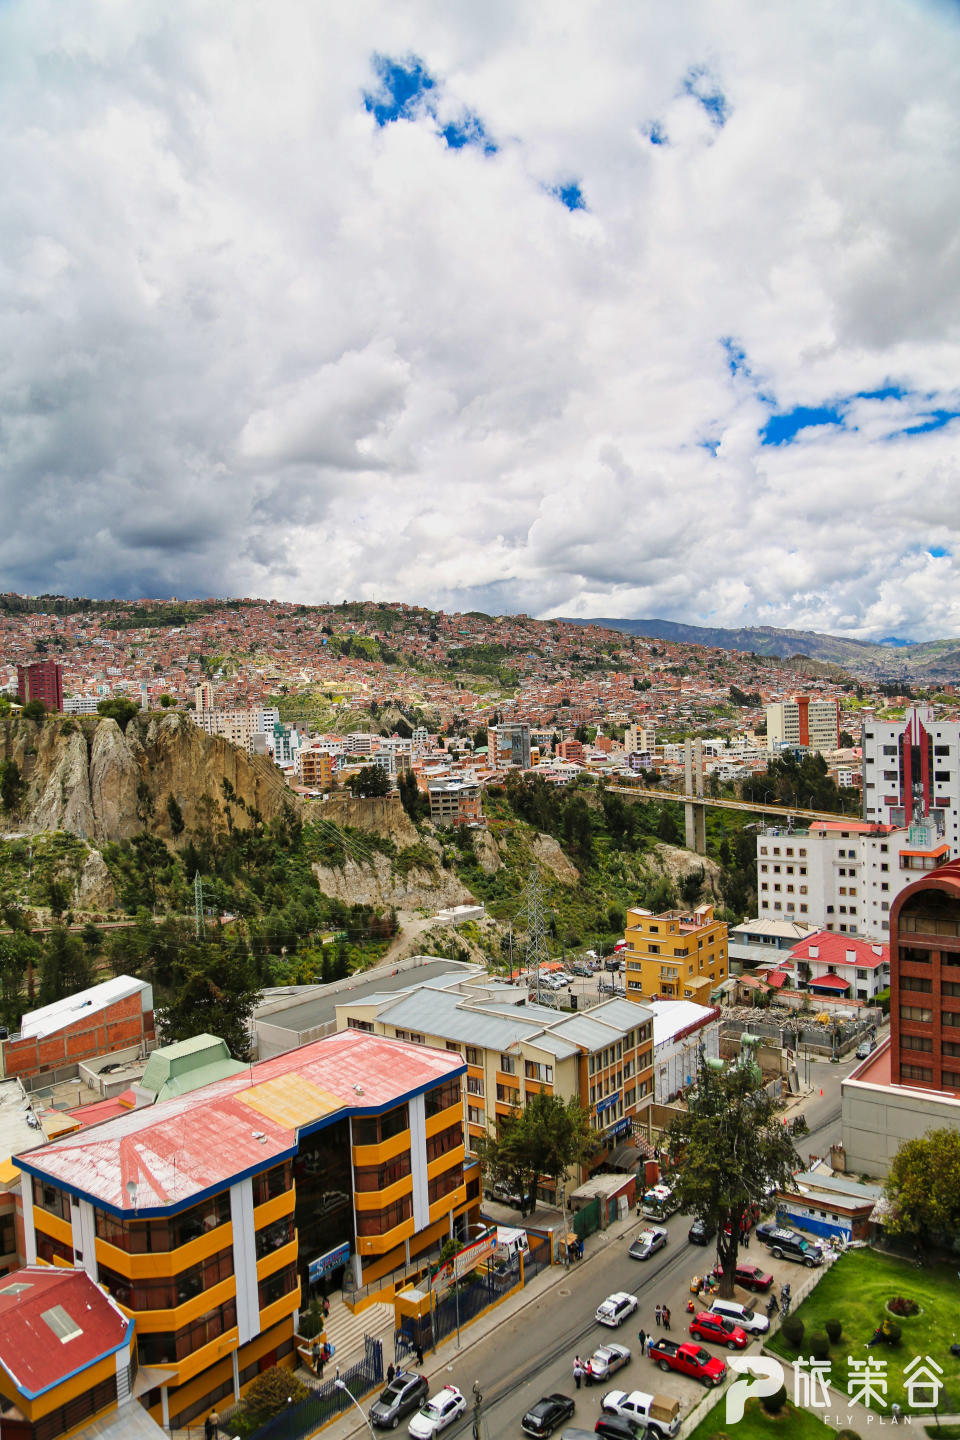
x: 531, y: 1354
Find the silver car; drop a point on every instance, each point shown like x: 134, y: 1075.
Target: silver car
x: 604, y: 1361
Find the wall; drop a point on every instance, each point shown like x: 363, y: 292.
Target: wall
x: 877, y: 1119
x: 122, y: 1024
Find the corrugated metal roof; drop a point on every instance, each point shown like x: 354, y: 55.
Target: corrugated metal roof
x: 446, y: 1014
x: 51, y: 1018
x: 173, y: 1153
x: 624, y: 1014
x: 670, y: 1017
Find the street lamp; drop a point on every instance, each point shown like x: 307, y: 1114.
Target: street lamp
x: 342, y: 1385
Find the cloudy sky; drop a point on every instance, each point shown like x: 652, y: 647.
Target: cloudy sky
x: 573, y: 308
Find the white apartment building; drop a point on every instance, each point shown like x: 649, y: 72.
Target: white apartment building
x: 79, y: 704
x: 639, y: 740
x: 814, y: 724
x: 842, y: 875
x: 913, y: 764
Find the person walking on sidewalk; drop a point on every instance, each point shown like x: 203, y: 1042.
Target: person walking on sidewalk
x: 666, y: 1317
x: 642, y: 1337
x: 577, y: 1371
x: 659, y: 1315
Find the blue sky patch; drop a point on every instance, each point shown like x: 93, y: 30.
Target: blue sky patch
x: 402, y: 86
x: 889, y: 392
x: 570, y: 195
x: 781, y: 429
x: 935, y: 420
x: 406, y: 88
x: 656, y: 134
x: 701, y: 85
x: 736, y: 356
x: 939, y: 552
x: 712, y: 445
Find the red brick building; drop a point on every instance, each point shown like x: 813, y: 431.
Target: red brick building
x: 107, y: 1017
x: 42, y: 681
x: 925, y: 983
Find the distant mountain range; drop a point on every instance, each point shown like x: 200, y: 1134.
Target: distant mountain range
x: 887, y: 659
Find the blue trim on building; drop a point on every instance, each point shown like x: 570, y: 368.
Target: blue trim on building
x: 62, y: 1379
x: 155, y: 1212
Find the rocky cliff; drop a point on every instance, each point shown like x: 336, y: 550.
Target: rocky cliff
x: 94, y: 780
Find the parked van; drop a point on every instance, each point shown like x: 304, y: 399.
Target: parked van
x: 745, y: 1316
x: 511, y: 1244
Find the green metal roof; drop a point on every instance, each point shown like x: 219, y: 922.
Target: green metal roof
x: 188, y: 1064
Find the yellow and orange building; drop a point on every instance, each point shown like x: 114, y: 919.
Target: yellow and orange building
x: 209, y: 1217
x: 678, y: 955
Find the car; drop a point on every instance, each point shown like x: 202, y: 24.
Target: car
x: 752, y: 1277
x: 620, y: 1427
x: 544, y: 1417
x: 688, y: 1359
x: 405, y: 1392
x: 581, y: 967
x: 604, y: 1361
x: 788, y: 1245
x: 743, y: 1315
x: 660, y: 1412
x: 439, y: 1412
x: 616, y: 1308
x: 866, y: 1048
x: 648, y: 1242
x: 708, y: 1326
x: 701, y: 1232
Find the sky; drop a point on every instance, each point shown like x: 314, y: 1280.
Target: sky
x: 569, y: 309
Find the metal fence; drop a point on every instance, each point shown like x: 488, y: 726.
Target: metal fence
x: 587, y: 1220
x: 327, y: 1400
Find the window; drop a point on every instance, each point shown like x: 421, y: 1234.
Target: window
x: 444, y: 1141
x: 166, y: 1347
x: 271, y: 1183
x: 916, y: 1042
x: 949, y: 987
x: 441, y: 1097
x: 444, y: 1184
x: 951, y: 1018
x: 379, y: 1177
x: 535, y: 1071
x: 507, y: 1095
x: 275, y: 1286
x: 51, y: 1198
x: 474, y: 1085
x: 76, y: 1411
x: 915, y: 1072
x: 374, y: 1129
x: 922, y: 984
x: 474, y: 1116
x: 378, y: 1222
x: 508, y: 1065
x: 141, y: 1237
x: 168, y: 1291
x: 473, y: 1055
x: 917, y: 1012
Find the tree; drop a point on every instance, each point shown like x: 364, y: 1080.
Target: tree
x: 923, y: 1186
x: 846, y: 740
x: 11, y: 786
x: 541, y: 1141
x: 371, y: 780
x: 119, y: 708
x: 17, y: 951
x: 34, y: 710
x: 64, y: 966
x: 166, y: 701
x: 730, y: 1146
x: 215, y: 992
x: 175, y: 816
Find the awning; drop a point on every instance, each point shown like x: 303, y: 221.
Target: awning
x: 631, y: 1155
x: 830, y: 982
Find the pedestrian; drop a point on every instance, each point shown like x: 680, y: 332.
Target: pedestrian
x: 419, y: 1354
x: 641, y: 1336
x: 208, y: 1429
x: 577, y: 1371
x: 336, y: 1378
x: 391, y: 1371
x: 214, y: 1424
x: 659, y: 1315
x: 326, y: 1308
x: 746, y: 1239
x: 666, y: 1317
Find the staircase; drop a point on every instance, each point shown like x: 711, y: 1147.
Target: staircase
x: 345, y: 1331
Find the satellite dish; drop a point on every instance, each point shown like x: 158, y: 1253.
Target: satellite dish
x: 131, y: 1189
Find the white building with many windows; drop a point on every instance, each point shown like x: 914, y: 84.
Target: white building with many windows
x: 842, y: 875
x: 912, y: 766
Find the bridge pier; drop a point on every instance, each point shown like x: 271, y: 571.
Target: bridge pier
x: 695, y: 823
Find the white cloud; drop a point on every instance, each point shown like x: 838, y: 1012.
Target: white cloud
x: 260, y: 344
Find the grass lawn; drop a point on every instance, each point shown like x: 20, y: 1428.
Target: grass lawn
x: 855, y: 1292
x: 758, y: 1425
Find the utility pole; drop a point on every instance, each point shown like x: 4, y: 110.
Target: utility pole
x: 198, y: 904
x: 536, y: 926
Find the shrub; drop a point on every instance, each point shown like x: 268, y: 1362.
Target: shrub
x: 819, y: 1346
x: 891, y: 1332
x: 34, y: 710
x: 903, y: 1305
x: 834, y: 1330
x: 793, y: 1331
x: 311, y: 1320
x: 846, y: 1435
x: 773, y: 1404
x: 270, y: 1391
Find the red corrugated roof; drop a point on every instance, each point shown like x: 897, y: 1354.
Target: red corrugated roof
x: 777, y: 978
x: 833, y: 949
x: 829, y: 982
x: 32, y: 1353
x: 174, y: 1152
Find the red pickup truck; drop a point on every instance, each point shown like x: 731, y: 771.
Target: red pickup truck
x: 688, y: 1359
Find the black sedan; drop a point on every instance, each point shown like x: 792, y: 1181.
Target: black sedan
x: 701, y: 1232
x: 544, y: 1417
